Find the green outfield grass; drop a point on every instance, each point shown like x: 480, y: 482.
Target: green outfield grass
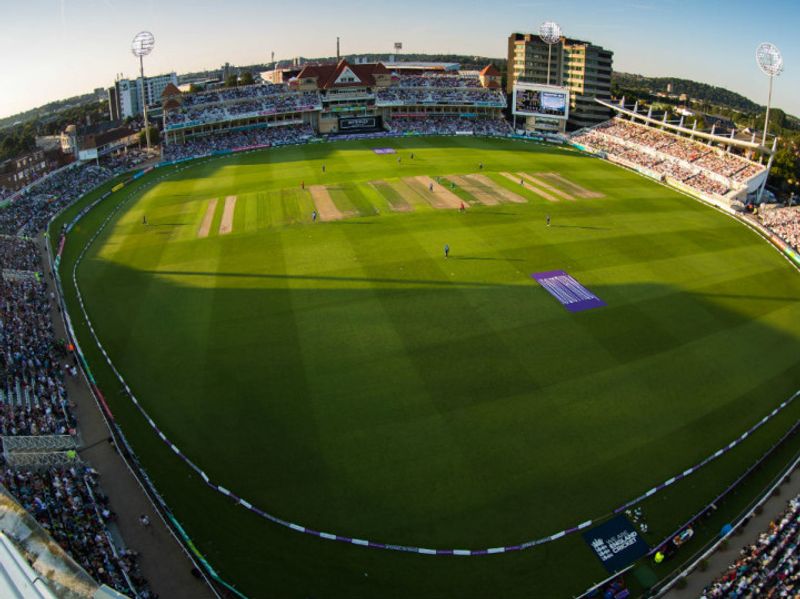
x: 345, y: 376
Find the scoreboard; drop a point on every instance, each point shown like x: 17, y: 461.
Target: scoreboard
x: 359, y: 123
x: 531, y: 99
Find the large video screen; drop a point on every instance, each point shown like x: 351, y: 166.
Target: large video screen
x: 541, y: 101
x: 359, y: 122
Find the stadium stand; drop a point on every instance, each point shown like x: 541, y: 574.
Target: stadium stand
x: 215, y: 110
x: 31, y: 210
x: 326, y: 96
x: 768, y: 568
x: 273, y: 136
x: 697, y: 165
x: 67, y: 502
x: 447, y: 125
x: 784, y: 222
x: 437, y: 81
x: 415, y: 96
x: 34, y: 366
x: 236, y: 104
x: 32, y: 394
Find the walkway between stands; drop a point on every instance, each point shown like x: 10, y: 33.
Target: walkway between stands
x: 162, y: 560
x: 720, y: 560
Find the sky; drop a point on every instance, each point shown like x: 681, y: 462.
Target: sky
x: 53, y: 49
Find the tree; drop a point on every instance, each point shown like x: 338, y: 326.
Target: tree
x: 231, y: 81
x: 194, y: 88
x: 784, y: 167
x: 246, y: 78
x: 154, y: 136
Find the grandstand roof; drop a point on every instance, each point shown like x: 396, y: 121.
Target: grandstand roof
x: 490, y: 70
x: 17, y: 579
x: 170, y: 90
x: 722, y: 140
x: 171, y: 103
x: 423, y: 66
x: 328, y: 75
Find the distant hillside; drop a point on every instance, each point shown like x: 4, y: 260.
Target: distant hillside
x: 695, y: 90
x: 467, y: 62
x: 48, y: 111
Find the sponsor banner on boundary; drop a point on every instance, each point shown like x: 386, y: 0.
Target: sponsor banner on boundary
x: 572, y: 295
x: 616, y: 543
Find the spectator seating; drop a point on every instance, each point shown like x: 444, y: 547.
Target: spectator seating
x: 713, y: 160
x: 34, y: 367
x: 240, y: 102
x: 768, y: 568
x: 272, y: 136
x: 69, y: 505
x: 441, y: 125
x: 784, y: 222
x: 395, y: 96
x: 31, y: 211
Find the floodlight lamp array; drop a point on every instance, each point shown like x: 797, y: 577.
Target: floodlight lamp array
x: 550, y: 32
x: 769, y: 59
x: 143, y: 44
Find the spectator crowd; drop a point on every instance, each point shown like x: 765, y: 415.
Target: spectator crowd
x: 700, y: 166
x: 784, y: 222
x: 35, y: 366
x: 31, y: 210
x: 67, y: 502
x: 768, y: 568
x: 447, y: 125
x: 436, y: 81
x: 406, y: 95
x: 272, y: 136
x: 240, y: 102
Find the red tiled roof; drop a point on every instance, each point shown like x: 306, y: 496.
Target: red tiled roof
x: 170, y: 90
x: 327, y: 74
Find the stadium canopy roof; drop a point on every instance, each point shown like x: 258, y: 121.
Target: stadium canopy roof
x: 724, y: 140
x: 17, y: 579
x: 45, y: 569
x: 448, y: 67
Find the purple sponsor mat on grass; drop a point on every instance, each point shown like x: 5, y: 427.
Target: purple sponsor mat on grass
x: 572, y: 295
x: 384, y: 150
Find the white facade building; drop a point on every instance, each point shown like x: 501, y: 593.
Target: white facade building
x: 129, y: 94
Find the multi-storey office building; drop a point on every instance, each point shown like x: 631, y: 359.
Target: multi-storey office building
x: 584, y: 68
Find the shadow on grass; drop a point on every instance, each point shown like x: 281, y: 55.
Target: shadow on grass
x: 580, y: 227
x: 493, y: 394
x: 488, y: 258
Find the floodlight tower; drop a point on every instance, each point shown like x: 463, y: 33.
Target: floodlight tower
x: 550, y: 32
x: 770, y: 61
x: 141, y: 46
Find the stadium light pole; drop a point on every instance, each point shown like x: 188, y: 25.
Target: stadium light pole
x: 141, y: 46
x: 770, y: 61
x: 550, y: 32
